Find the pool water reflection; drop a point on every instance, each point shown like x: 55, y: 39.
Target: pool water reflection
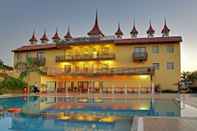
x: 67, y: 114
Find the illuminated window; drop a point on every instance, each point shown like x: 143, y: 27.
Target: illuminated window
x: 67, y: 68
x: 155, y: 49
x: 105, y: 50
x: 170, y: 65
x: 156, y: 66
x: 170, y: 49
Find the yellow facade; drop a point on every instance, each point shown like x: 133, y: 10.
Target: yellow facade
x: 107, y: 65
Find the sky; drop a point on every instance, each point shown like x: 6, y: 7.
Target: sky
x: 18, y: 19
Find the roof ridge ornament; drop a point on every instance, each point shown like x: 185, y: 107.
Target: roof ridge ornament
x: 119, y: 32
x: 33, y: 39
x: 150, y: 30
x: 44, y: 38
x: 68, y: 35
x: 165, y: 31
x: 95, y: 31
x: 56, y: 36
x: 134, y: 31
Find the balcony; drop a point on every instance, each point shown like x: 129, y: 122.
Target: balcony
x: 140, y: 56
x: 102, y: 71
x: 85, y: 57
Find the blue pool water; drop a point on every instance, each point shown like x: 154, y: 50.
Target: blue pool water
x: 31, y: 118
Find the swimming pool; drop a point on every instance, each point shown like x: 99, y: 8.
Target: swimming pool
x: 69, y: 113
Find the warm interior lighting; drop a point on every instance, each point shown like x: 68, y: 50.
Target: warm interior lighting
x: 107, y: 119
x: 144, y: 76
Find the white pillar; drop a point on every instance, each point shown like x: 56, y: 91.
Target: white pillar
x: 125, y: 89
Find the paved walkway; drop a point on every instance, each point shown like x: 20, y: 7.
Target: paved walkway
x: 167, y: 124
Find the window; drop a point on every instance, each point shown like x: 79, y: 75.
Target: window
x: 156, y: 66
x: 170, y: 65
x: 67, y: 68
x: 105, y: 50
x: 155, y: 49
x: 139, y: 49
x: 40, y: 54
x: 170, y: 49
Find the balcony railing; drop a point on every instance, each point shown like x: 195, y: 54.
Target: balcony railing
x: 140, y: 56
x: 85, y: 57
x: 102, y: 71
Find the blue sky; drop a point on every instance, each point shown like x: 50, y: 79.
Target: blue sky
x: 20, y: 17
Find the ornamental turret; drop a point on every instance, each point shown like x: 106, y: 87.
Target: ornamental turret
x: 56, y: 37
x: 33, y: 39
x: 68, y: 35
x: 165, y: 31
x: 44, y: 39
x: 95, y: 31
x: 150, y: 32
x: 119, y: 32
x: 134, y: 31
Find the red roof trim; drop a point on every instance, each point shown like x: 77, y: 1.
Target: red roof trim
x: 153, y: 40
x: 35, y: 47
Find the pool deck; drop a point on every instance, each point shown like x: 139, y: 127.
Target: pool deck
x: 166, y: 124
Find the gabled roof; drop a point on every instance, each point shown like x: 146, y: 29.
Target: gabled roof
x: 95, y: 31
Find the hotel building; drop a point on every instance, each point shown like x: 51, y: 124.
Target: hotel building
x: 103, y: 63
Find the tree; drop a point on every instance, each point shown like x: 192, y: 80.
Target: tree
x: 31, y: 65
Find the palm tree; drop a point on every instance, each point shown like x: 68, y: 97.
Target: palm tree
x: 31, y: 65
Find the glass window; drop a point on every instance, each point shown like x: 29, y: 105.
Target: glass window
x: 170, y: 49
x: 139, y: 49
x: 156, y: 66
x: 170, y: 65
x: 155, y: 49
x: 40, y: 54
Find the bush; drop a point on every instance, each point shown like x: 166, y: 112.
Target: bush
x: 11, y: 84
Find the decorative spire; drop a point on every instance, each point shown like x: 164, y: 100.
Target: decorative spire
x: 150, y: 30
x: 44, y: 38
x: 68, y: 34
x: 33, y: 39
x: 56, y: 36
x: 134, y: 31
x: 165, y: 31
x: 119, y: 33
x: 95, y: 31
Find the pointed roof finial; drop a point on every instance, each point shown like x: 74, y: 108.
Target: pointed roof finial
x: 134, y: 31
x: 44, y: 37
x: 150, y: 30
x: 33, y: 38
x: 165, y: 31
x: 56, y: 35
x: 119, y: 32
x: 95, y: 31
x: 68, y: 34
